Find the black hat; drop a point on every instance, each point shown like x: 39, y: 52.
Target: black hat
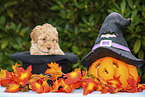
x: 111, y: 43
x: 40, y: 59
x: 39, y: 62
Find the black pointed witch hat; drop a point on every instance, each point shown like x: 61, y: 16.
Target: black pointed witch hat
x: 111, y: 43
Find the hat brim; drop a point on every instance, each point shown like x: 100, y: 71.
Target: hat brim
x: 40, y: 59
x: 102, y: 52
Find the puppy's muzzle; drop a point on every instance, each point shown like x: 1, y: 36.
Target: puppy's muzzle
x: 48, y: 48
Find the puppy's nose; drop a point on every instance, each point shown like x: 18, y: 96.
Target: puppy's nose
x: 48, y: 48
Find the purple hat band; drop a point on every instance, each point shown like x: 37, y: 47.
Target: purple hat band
x: 109, y: 43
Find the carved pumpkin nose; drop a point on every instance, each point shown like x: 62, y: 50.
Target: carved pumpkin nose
x: 105, y: 69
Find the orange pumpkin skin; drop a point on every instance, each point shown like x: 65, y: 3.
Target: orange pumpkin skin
x: 122, y: 71
x: 105, y: 69
x: 133, y: 72
x: 108, y: 67
x: 93, y: 68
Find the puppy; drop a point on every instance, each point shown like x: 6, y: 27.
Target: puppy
x: 45, y: 41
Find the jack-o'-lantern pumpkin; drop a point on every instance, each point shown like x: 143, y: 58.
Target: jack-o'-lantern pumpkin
x: 109, y: 46
x: 107, y: 67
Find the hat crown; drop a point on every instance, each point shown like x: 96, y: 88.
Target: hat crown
x: 111, y: 43
x: 111, y: 28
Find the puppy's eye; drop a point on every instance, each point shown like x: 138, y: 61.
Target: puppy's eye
x: 43, y: 39
x: 53, y: 40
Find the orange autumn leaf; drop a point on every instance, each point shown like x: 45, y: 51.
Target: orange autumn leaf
x: 22, y: 76
x: 46, y: 87
x: 56, y: 85
x: 104, y: 90
x: 115, y: 82
x: 7, y: 79
x: 85, y: 75
x: 76, y: 85
x: 39, y: 81
x: 72, y: 77
x: 61, y: 86
x: 140, y: 87
x: 54, y: 70
x: 9, y: 74
x: 12, y: 87
x: 14, y: 67
x: 90, y: 86
x: 35, y: 77
x: 40, y: 86
x: 3, y: 73
x: 65, y: 87
x: 37, y: 87
x: 77, y: 70
x: 132, y: 86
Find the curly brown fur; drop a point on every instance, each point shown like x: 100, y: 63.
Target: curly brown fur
x: 45, y: 41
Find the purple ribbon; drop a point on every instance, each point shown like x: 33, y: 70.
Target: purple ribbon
x: 105, y: 44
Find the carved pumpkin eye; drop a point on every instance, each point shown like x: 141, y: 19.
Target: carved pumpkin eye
x: 115, y: 64
x: 98, y: 65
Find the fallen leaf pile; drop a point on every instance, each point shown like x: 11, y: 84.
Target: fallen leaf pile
x: 23, y: 80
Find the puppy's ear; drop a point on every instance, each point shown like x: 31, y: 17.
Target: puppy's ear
x: 56, y: 34
x: 34, y: 36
